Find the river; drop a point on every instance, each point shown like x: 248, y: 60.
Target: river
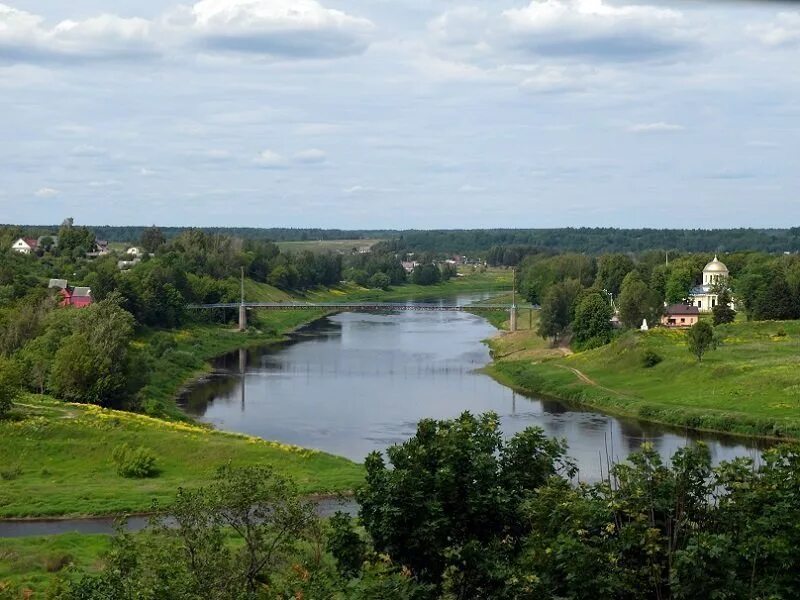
x: 354, y: 382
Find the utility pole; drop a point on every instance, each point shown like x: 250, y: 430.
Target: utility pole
x: 513, y: 321
x: 242, y: 309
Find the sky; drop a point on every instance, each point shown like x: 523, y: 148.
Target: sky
x: 362, y: 114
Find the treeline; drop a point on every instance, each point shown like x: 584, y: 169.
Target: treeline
x: 596, y: 240
x: 576, y: 291
x: 459, y: 513
x: 481, y: 241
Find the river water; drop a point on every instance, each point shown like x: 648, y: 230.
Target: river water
x: 353, y: 383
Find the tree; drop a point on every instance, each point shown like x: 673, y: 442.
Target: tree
x: 700, y: 339
x: 637, y: 301
x: 94, y: 364
x: 9, y: 385
x: 776, y: 303
x: 679, y: 284
x: 557, y: 309
x: 152, y: 239
x: 611, y: 270
x: 448, y: 507
x: 723, y: 313
x: 380, y: 281
x: 592, y: 323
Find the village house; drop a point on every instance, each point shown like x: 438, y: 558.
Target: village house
x: 25, y: 245
x: 680, y: 315
x: 409, y: 265
x: 71, y: 296
x: 135, y: 252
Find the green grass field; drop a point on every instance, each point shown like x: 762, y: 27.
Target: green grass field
x: 750, y: 385
x: 346, y: 246
x: 32, y: 563
x: 56, y: 460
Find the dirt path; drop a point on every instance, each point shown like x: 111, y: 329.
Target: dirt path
x: 589, y: 381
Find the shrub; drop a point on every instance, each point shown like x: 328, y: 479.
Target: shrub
x: 650, y: 358
x: 780, y: 333
x: 10, y: 473
x: 161, y: 343
x: 134, y: 463
x: 57, y: 562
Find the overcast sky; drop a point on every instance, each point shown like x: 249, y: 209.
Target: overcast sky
x: 400, y: 113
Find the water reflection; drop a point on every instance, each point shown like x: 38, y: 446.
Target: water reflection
x: 354, y: 383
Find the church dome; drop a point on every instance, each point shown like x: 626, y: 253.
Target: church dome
x: 715, y: 266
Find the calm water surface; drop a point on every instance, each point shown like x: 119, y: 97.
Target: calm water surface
x: 353, y: 383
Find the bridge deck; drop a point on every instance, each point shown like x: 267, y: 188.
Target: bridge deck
x: 354, y: 306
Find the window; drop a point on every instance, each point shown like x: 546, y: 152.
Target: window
x: 699, y: 304
x: 683, y: 320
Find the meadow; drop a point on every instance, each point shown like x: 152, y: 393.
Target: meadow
x: 749, y: 385
x: 57, y: 460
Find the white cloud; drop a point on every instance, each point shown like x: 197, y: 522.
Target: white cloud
x: 24, y: 37
x: 46, y: 192
x: 291, y: 28
x: 312, y: 156
x: 470, y: 189
x: 87, y: 150
x: 318, y: 129
x: 595, y: 28
x: 659, y: 127
x: 270, y: 159
x: 145, y: 172
x: 280, y: 28
x: 783, y: 31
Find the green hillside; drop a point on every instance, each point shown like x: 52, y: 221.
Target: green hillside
x: 749, y: 385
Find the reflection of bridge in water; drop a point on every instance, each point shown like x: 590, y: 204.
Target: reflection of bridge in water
x: 363, y: 307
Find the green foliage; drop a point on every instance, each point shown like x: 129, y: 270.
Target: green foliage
x: 10, y: 384
x: 346, y: 546
x: 723, y: 313
x: 152, y: 239
x: 679, y: 284
x: 650, y: 358
x: 558, y: 309
x: 592, y: 322
x: 611, y: 271
x: 700, y: 339
x: 380, y: 281
x: 448, y: 507
x: 427, y: 274
x: 134, y: 463
x: 637, y: 301
x: 94, y: 363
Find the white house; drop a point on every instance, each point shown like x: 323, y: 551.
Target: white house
x: 715, y: 276
x: 24, y: 245
x: 135, y: 252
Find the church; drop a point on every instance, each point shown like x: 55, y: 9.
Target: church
x: 705, y: 297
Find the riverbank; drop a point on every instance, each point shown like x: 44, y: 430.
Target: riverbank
x: 749, y: 386
x: 57, y: 460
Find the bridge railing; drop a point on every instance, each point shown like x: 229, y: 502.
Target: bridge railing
x: 391, y: 306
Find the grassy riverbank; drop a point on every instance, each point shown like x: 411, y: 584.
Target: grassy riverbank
x: 56, y: 460
x: 750, y: 385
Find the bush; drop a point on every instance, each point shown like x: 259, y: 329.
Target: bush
x: 161, y: 343
x: 134, y: 463
x: 650, y: 358
x: 781, y: 332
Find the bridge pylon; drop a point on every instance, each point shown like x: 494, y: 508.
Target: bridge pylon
x: 512, y: 326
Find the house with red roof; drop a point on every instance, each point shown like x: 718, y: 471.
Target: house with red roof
x: 680, y: 315
x: 25, y: 245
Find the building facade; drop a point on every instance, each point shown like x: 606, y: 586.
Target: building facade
x: 715, y: 277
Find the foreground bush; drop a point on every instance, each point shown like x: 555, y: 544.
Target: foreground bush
x: 134, y: 463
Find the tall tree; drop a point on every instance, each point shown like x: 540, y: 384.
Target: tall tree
x: 723, y: 313
x: 611, y: 270
x: 152, y: 239
x: 557, y: 309
x: 592, y: 323
x: 637, y: 301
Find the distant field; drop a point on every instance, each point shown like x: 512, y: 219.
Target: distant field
x: 749, y: 385
x: 345, y: 246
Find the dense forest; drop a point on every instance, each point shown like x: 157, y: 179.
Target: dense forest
x: 466, y: 241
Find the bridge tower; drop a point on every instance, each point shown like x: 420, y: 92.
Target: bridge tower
x: 242, y: 309
x: 512, y: 325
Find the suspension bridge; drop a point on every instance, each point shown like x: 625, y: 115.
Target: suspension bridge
x: 373, y: 307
